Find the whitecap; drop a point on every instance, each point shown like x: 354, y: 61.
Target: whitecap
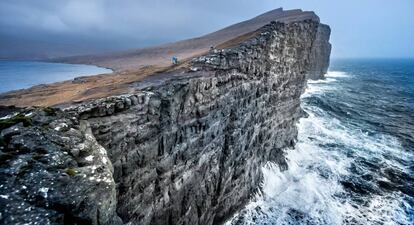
x: 321, y: 81
x: 336, y: 74
x: 310, y: 191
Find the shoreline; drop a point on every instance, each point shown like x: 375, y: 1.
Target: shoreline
x: 44, y: 73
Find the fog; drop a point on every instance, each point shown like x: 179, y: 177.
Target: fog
x: 45, y: 28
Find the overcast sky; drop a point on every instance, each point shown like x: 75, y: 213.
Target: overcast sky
x: 367, y: 28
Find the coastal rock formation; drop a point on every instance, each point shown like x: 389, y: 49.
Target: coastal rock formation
x: 186, y: 147
x: 135, y: 64
x: 321, y: 50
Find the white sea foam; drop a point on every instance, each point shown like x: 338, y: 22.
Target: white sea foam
x: 336, y: 74
x: 319, y: 86
x: 321, y: 81
x: 315, y: 88
x: 310, y: 191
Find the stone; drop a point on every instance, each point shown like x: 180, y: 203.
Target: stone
x: 188, y: 150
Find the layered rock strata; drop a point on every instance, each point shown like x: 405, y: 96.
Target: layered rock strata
x: 321, y: 50
x: 186, y: 148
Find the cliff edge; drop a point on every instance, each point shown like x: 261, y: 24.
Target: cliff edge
x: 135, y: 65
x: 186, y: 147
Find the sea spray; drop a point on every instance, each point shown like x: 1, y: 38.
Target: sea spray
x: 338, y: 171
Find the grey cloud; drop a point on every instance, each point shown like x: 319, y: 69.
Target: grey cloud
x: 49, y: 28
x: 95, y: 25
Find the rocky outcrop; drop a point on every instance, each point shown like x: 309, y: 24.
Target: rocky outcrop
x: 321, y: 50
x: 186, y: 148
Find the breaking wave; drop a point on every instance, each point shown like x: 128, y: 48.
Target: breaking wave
x: 342, y: 171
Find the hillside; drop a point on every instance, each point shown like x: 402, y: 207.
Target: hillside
x: 186, y: 146
x: 135, y: 65
x: 161, y: 55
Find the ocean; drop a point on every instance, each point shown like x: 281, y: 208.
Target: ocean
x: 354, y: 158
x: 24, y: 74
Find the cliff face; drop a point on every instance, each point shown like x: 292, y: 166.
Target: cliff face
x: 319, y: 56
x: 187, y: 148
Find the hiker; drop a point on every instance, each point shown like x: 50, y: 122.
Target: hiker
x: 174, y: 60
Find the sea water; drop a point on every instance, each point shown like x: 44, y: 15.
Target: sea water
x: 24, y: 74
x: 354, y: 159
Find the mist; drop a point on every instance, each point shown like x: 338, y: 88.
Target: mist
x: 47, y: 29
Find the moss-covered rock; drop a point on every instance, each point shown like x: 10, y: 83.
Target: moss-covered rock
x: 50, y: 111
x: 71, y: 172
x: 19, y: 118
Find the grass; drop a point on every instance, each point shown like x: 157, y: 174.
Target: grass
x: 71, y: 172
x: 103, y: 85
x: 238, y: 40
x: 98, y: 86
x: 19, y: 118
x: 50, y: 111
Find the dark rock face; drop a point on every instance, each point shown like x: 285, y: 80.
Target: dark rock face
x: 54, y: 172
x: 187, y: 150
x: 321, y: 50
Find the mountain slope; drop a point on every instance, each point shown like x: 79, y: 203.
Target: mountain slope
x: 161, y: 55
x: 135, y: 65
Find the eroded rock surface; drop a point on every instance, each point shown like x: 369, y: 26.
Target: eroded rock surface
x: 321, y: 50
x: 186, y: 149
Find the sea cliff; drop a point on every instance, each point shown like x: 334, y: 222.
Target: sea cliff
x: 186, y: 147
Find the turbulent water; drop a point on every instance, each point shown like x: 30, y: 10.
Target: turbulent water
x: 24, y: 74
x: 354, y: 159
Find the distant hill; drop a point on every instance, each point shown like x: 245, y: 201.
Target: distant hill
x: 136, y: 65
x: 161, y: 55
